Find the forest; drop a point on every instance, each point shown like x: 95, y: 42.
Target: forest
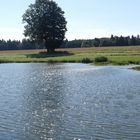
x: 27, y: 44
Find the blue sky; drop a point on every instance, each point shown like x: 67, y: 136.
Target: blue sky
x: 86, y: 18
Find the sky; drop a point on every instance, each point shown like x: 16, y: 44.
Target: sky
x: 86, y: 19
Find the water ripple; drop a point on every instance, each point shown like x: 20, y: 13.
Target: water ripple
x: 69, y: 102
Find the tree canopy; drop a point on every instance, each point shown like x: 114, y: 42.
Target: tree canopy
x: 45, y: 22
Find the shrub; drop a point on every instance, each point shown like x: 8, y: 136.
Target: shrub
x: 51, y: 61
x: 101, y: 59
x: 87, y: 60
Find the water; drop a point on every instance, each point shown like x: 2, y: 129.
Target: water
x: 69, y: 102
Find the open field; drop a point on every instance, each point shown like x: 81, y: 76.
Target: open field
x: 115, y: 55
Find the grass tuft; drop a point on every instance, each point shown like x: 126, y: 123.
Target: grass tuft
x: 136, y: 68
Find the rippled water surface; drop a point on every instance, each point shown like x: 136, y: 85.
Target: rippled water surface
x: 69, y: 102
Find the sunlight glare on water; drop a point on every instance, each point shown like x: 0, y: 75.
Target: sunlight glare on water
x: 69, y: 102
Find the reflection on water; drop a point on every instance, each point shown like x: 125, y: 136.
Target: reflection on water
x: 68, y: 101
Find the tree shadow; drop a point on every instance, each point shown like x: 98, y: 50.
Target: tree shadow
x: 44, y: 54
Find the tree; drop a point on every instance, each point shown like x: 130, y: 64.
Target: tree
x: 96, y: 42
x: 45, y: 22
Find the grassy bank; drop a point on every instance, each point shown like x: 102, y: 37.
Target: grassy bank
x: 136, y: 68
x: 114, y: 55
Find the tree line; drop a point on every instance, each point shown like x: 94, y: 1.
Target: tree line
x: 104, y: 42
x: 27, y: 44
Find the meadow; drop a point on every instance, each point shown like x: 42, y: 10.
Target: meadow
x: 115, y: 55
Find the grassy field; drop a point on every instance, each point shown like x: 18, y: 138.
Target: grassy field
x: 115, y: 55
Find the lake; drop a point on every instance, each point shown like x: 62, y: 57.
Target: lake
x: 69, y: 102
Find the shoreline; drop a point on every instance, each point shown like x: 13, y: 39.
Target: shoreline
x: 132, y: 66
x: 99, y: 56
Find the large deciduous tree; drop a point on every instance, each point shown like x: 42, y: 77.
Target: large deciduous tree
x: 45, y: 22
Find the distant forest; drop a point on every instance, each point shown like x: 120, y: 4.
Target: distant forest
x: 26, y: 44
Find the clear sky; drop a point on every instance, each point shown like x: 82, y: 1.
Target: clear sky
x: 86, y: 18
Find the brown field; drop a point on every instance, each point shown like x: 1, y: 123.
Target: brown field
x: 96, y: 49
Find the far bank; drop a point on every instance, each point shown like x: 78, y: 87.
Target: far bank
x: 97, y: 55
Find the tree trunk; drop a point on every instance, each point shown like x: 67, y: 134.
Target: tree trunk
x: 50, y: 50
x: 49, y: 47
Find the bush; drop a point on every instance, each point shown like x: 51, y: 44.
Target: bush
x: 86, y: 60
x: 101, y: 59
x: 51, y: 61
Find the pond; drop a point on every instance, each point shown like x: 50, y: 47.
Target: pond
x: 69, y: 102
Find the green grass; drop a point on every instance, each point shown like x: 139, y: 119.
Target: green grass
x: 114, y: 55
x: 136, y: 68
